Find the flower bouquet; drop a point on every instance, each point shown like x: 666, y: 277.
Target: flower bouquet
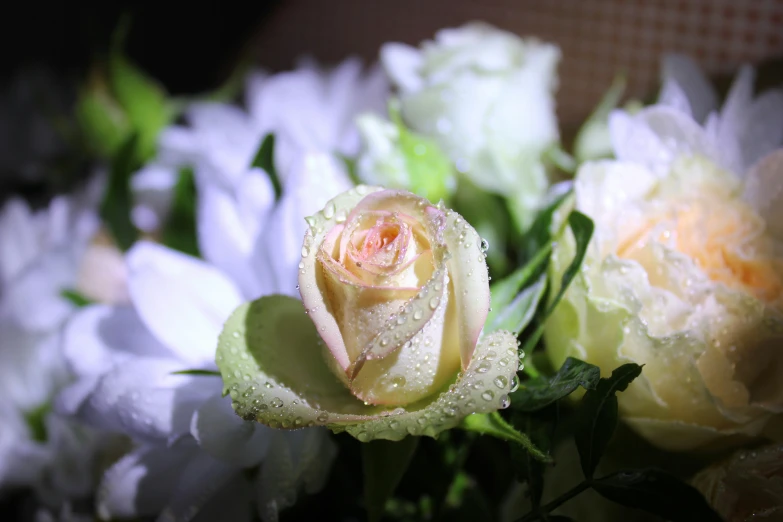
x: 395, y: 293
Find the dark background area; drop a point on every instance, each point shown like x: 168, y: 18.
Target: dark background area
x: 190, y: 48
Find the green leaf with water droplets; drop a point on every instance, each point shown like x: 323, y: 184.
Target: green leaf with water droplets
x: 384, y: 464
x: 535, y: 394
x: 272, y: 363
x: 597, y: 417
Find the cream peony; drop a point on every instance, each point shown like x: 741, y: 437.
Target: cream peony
x: 684, y: 273
x: 397, y: 294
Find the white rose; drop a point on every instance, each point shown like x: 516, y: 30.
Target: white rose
x: 487, y: 97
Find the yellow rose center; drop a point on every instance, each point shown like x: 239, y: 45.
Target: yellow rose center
x: 724, y: 237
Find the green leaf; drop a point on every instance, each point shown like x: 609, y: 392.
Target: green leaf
x: 521, y: 310
x: 558, y: 157
x: 75, y: 297
x: 36, y: 422
x: 179, y: 231
x: 596, y: 418
x: 270, y: 357
x: 494, y: 425
x: 540, y: 427
x: 384, y: 464
x: 656, y: 492
x: 487, y: 213
x: 205, y: 373
x: 592, y: 140
x: 582, y: 228
x: 117, y: 202
x: 535, y: 394
x: 142, y: 99
x: 102, y: 121
x: 264, y: 159
x: 429, y: 169
x: 504, y: 292
x: 539, y: 234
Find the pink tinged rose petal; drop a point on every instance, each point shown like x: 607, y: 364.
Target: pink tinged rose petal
x: 294, y: 387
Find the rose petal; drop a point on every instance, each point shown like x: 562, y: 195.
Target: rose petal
x: 291, y: 388
x: 311, y: 277
x: 469, y: 281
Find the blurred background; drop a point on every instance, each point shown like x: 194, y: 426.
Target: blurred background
x: 49, y: 51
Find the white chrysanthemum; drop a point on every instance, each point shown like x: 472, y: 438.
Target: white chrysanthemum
x: 487, y: 97
x: 684, y: 273
x: 41, y: 254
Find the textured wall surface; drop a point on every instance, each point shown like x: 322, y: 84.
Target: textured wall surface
x: 598, y: 37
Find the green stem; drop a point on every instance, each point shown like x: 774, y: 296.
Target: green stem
x: 556, y: 503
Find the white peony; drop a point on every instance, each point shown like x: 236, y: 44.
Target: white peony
x: 684, y: 273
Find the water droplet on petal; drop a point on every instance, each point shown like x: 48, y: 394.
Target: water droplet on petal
x: 484, y: 367
x: 500, y: 381
x: 277, y: 402
x: 488, y: 395
x: 305, y: 252
x: 514, y: 384
x: 505, y: 402
x: 398, y: 381
x: 329, y: 210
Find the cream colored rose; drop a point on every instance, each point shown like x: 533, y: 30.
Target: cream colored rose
x: 390, y: 340
x: 399, y: 310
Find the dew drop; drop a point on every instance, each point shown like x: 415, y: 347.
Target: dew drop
x: 484, y: 245
x: 329, y: 210
x: 417, y: 315
x: 500, y: 381
x: 341, y: 216
x: 484, y: 367
x: 514, y: 384
x: 277, y: 402
x: 268, y: 385
x: 305, y: 252
x: 235, y: 335
x: 505, y: 402
x: 434, y: 302
x: 363, y: 436
x: 488, y: 395
x: 398, y: 381
x: 323, y: 417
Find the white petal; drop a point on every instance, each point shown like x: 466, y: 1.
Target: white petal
x: 18, y: 239
x: 317, y: 179
x: 764, y: 191
x: 181, y: 299
x: 100, y: 336
x: 34, y: 298
x: 143, y: 481
x: 402, y: 63
x: 296, y: 459
x: 228, y: 227
x: 202, y: 481
x: 144, y: 400
x: 673, y: 96
x: 222, y: 434
x: 152, y: 189
x: 699, y: 91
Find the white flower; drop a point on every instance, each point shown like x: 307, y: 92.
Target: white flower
x: 126, y: 356
x: 308, y: 109
x: 40, y: 256
x: 684, y: 272
x: 487, y: 97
